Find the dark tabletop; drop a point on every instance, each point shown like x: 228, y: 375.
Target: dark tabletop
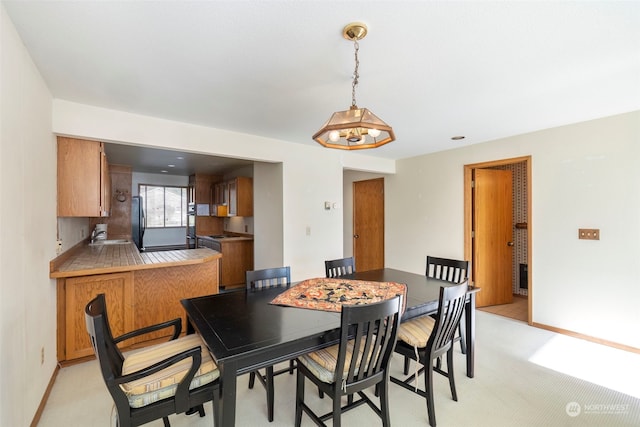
x: 242, y: 322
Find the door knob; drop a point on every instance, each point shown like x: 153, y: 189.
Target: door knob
x: 356, y: 236
x: 509, y: 243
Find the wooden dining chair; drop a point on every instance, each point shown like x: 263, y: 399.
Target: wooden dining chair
x: 255, y: 280
x: 339, y: 267
x: 426, y: 339
x: 452, y: 271
x: 360, y: 361
x: 154, y: 382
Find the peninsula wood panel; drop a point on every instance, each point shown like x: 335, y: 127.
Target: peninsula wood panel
x: 117, y: 287
x: 158, y: 293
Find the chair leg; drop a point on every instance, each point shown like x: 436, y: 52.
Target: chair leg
x: 461, y: 330
x: 452, y: 382
x: 406, y: 365
x: 199, y: 409
x: 216, y: 408
x: 382, y: 389
x: 428, y: 387
x: 299, y: 397
x: 292, y: 367
x: 252, y: 379
x: 337, y: 408
x: 166, y: 422
x: 270, y: 392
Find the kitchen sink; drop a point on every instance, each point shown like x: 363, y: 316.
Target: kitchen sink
x: 110, y: 242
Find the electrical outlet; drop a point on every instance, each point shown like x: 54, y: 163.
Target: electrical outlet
x: 589, y: 233
x: 59, y: 247
x: 42, y: 356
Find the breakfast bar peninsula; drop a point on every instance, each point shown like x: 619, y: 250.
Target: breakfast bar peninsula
x: 141, y: 289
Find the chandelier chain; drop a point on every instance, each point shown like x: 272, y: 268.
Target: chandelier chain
x: 355, y: 74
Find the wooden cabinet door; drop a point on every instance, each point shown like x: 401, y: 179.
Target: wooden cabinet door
x: 203, y: 188
x: 237, y: 258
x: 105, y: 184
x: 78, y: 177
x: 84, y: 183
x: 118, y: 290
x: 244, y: 196
x: 221, y: 193
x: 233, y: 197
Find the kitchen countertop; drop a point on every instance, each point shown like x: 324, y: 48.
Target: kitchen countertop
x: 225, y: 238
x: 84, y: 259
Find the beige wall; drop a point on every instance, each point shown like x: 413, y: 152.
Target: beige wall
x: 583, y: 176
x: 27, y: 230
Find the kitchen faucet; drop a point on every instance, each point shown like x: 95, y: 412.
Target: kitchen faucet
x: 95, y: 234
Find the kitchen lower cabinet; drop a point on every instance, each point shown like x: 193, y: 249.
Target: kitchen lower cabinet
x: 137, y: 298
x: 237, y: 258
x: 75, y: 293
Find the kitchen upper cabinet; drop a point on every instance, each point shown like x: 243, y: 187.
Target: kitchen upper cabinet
x: 199, y: 192
x: 220, y: 199
x: 236, y: 195
x: 84, y: 183
x: 241, y: 196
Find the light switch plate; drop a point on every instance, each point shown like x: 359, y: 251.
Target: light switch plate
x: 589, y: 233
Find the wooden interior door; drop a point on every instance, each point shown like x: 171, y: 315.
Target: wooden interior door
x: 492, y: 236
x: 368, y: 224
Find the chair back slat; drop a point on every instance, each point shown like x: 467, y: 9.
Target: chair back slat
x: 368, y: 336
x: 450, y: 310
x: 339, y: 267
x: 268, y: 277
x: 449, y: 270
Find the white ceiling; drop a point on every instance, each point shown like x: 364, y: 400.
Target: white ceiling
x: 431, y: 69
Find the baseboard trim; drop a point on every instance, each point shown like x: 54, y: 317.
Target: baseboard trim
x: 45, y: 397
x: 587, y: 338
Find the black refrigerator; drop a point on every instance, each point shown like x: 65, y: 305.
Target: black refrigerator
x: 137, y: 222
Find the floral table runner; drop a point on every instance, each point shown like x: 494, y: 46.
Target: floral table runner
x: 329, y: 294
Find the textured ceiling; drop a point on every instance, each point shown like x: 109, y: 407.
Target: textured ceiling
x: 278, y: 69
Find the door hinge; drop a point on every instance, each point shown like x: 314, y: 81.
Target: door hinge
x: 473, y: 234
x: 473, y: 184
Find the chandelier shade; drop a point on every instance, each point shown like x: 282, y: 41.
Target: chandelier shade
x: 355, y: 128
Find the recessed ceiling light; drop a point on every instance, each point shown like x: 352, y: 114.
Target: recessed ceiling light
x: 180, y: 158
x: 172, y: 166
x: 457, y: 137
x: 164, y: 171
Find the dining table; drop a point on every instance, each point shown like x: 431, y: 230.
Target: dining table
x: 244, y: 331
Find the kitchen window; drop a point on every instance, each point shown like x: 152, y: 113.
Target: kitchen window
x: 164, y: 206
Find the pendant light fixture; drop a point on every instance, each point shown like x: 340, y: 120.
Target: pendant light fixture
x: 356, y: 128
